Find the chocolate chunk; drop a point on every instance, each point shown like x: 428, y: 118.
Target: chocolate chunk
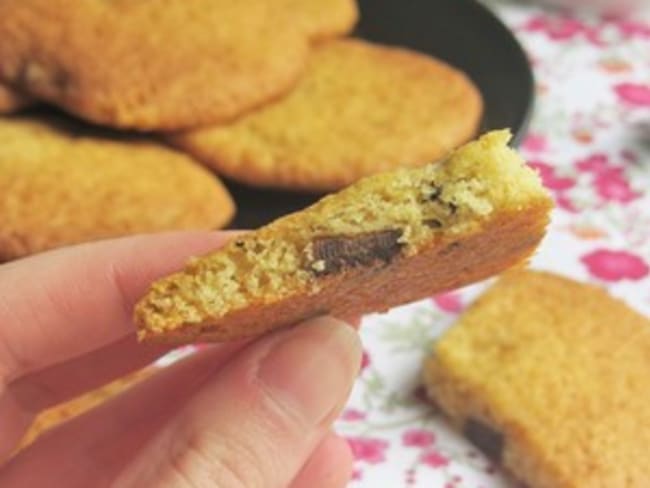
x: 487, y: 439
x: 433, y: 223
x: 435, y: 195
x: 335, y: 253
x: 436, y: 191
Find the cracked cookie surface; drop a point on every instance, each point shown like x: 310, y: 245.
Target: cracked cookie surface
x: 64, y: 183
x: 155, y: 64
x: 360, y: 109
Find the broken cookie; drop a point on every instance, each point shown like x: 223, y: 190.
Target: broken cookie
x: 386, y: 240
x: 550, y: 379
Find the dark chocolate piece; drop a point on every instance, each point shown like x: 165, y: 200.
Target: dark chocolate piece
x: 335, y: 253
x: 436, y: 191
x: 436, y: 196
x: 488, y: 440
x: 433, y: 223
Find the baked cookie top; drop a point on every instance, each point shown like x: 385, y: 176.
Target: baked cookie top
x: 324, y: 19
x: 388, y: 239
x: 152, y: 64
x: 561, y: 371
x: 359, y: 109
x: 62, y: 183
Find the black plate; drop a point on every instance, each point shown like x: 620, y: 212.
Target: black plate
x: 462, y: 32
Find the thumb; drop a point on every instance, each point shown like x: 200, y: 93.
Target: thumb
x: 257, y: 421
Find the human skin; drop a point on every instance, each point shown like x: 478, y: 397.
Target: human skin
x: 244, y: 414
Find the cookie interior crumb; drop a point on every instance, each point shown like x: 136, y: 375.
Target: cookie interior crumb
x: 416, y: 204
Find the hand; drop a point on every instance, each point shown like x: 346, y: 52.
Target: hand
x: 254, y: 414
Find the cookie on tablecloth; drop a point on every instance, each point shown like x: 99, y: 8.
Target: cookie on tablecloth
x: 152, y: 65
x: 386, y: 240
x: 11, y: 100
x: 63, y: 183
x: 550, y: 378
x: 359, y: 109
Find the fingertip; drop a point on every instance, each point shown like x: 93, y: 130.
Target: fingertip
x: 324, y: 348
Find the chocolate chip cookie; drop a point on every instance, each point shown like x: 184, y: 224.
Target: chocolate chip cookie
x: 389, y: 239
x: 550, y: 378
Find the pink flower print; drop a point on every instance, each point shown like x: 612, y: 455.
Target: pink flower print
x: 371, y: 451
x: 631, y: 28
x: 534, y: 143
x: 596, y: 163
x: 434, y: 459
x: 634, y: 94
x: 352, y: 415
x: 565, y: 203
x: 609, y: 265
x: 587, y: 232
x: 558, y: 29
x: 365, y: 360
x: 357, y: 474
x: 558, y: 183
x: 449, y: 302
x: 613, y: 187
x: 614, y: 65
x: 592, y: 34
x: 629, y: 155
x: 550, y: 180
x: 583, y: 136
x: 418, y: 438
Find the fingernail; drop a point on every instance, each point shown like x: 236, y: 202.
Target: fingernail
x: 311, y: 369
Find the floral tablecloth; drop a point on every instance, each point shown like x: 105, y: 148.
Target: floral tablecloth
x: 590, y: 141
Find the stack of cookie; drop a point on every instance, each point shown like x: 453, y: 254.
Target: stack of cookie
x: 264, y: 92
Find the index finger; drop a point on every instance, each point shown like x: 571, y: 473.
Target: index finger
x: 68, y: 302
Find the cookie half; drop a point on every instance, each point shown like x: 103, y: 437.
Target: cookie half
x: 550, y: 378
x: 152, y: 65
x: 389, y: 239
x: 62, y: 183
x: 359, y: 109
x: 11, y: 100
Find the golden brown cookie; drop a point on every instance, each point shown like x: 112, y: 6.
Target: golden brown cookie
x: 62, y: 184
x: 152, y: 64
x: 11, y: 100
x: 359, y: 109
x: 324, y: 19
x: 63, y: 412
x: 551, y: 378
x: 388, y: 239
